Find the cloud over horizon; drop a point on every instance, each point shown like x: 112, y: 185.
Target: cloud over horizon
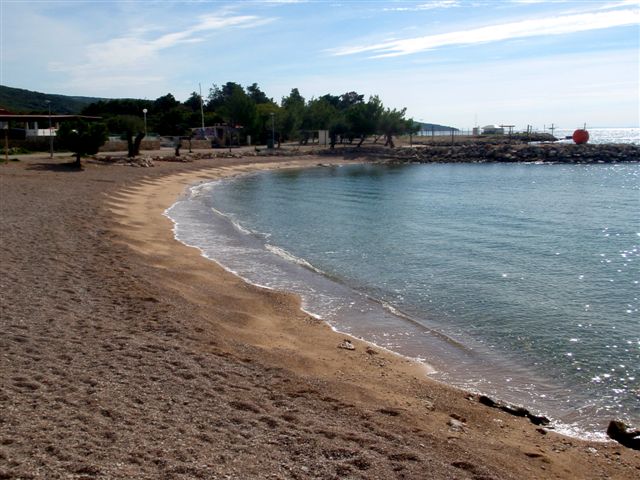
x: 566, y: 61
x: 122, y: 58
x: 557, y: 25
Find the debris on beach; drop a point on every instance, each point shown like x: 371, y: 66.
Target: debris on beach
x: 347, y: 345
x: 456, y: 425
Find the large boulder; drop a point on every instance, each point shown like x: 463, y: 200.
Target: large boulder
x: 623, y: 434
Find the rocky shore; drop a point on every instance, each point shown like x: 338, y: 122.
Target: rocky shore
x: 501, y: 152
x: 470, y: 150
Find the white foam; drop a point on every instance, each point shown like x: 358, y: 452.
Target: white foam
x: 281, y: 252
x: 237, y: 225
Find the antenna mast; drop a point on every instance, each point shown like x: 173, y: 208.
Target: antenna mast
x: 201, y: 108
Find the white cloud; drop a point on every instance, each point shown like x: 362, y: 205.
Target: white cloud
x: 129, y: 58
x: 282, y: 2
x: 534, y: 2
x: 556, y: 25
x: 623, y: 3
x: 432, y: 5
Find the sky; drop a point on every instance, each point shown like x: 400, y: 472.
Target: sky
x: 453, y: 62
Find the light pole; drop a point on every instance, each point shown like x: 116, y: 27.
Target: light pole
x: 144, y: 112
x: 273, y: 130
x: 201, y: 110
x: 50, y: 133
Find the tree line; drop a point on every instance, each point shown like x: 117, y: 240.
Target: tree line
x: 347, y: 117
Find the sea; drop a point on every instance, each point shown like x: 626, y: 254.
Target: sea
x: 602, y: 135
x: 519, y: 281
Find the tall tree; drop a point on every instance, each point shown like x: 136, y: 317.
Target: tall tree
x: 82, y: 138
x: 131, y: 128
x: 165, y: 103
x: 269, y: 121
x: 319, y: 114
x: 349, y: 99
x: 235, y: 106
x: 412, y: 127
x: 333, y: 100
x: 293, y: 107
x: 122, y: 106
x: 363, y: 118
x: 390, y: 123
x: 257, y: 95
x: 218, y: 95
x: 193, y: 102
x: 174, y: 121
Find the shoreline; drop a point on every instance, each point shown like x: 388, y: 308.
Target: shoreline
x: 491, y: 386
x: 153, y: 360
x: 426, y: 368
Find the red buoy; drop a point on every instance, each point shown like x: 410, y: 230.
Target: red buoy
x: 580, y: 136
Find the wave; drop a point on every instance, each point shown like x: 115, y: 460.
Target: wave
x: 281, y: 252
x: 234, y: 222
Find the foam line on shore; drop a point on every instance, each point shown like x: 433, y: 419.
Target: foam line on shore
x: 247, y: 169
x: 388, y: 307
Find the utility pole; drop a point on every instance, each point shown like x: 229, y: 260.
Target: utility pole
x: 552, y: 128
x: 201, y: 108
x: 273, y: 130
x: 50, y: 136
x: 144, y: 112
x: 6, y: 142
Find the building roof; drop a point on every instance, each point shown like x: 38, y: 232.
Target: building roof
x: 26, y: 118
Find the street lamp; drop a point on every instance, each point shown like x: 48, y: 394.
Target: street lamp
x: 144, y: 111
x: 273, y: 130
x: 50, y: 133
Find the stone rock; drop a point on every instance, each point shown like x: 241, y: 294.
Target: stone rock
x: 514, y: 410
x: 456, y: 425
x: 347, y: 345
x: 489, y: 402
x: 537, y: 419
x: 624, y: 435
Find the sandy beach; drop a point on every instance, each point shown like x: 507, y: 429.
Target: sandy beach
x: 125, y: 354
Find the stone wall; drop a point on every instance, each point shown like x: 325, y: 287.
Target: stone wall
x: 121, y: 145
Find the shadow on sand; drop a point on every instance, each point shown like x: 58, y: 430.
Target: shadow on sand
x: 55, y: 167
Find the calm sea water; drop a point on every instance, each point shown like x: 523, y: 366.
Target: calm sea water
x: 515, y: 280
x: 605, y: 135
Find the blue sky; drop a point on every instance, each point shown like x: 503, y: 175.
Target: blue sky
x: 455, y: 62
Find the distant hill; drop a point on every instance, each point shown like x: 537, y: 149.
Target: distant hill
x: 426, y: 127
x: 19, y: 100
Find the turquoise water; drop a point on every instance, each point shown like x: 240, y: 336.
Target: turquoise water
x: 516, y: 280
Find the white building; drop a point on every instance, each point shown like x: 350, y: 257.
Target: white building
x: 32, y: 129
x: 492, y: 130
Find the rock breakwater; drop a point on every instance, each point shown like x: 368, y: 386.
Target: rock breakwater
x: 504, y: 152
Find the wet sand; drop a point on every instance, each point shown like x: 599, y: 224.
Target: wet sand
x: 125, y: 354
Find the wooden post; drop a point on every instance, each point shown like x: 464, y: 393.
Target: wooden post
x: 6, y: 143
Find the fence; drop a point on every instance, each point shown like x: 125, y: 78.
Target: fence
x: 447, y: 133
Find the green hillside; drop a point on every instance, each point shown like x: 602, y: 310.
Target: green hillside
x: 426, y: 127
x: 18, y: 100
